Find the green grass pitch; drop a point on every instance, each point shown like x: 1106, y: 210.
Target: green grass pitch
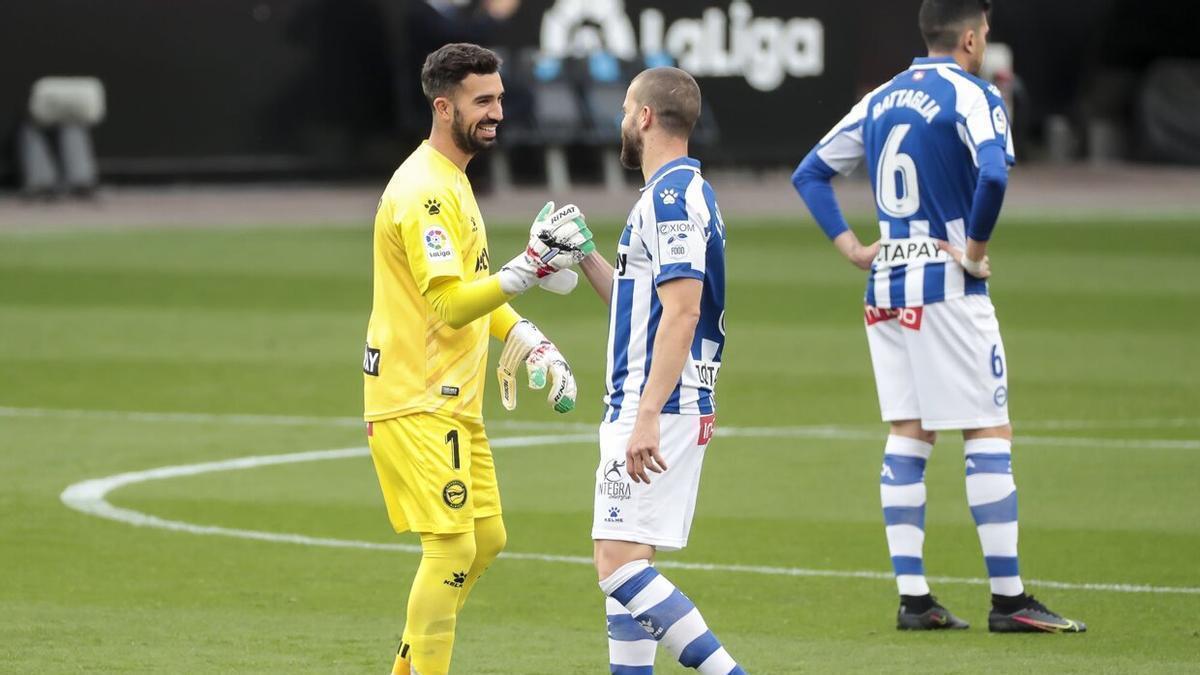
x: 1100, y: 320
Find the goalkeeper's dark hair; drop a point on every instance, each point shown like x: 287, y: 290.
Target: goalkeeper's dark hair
x: 942, y: 21
x: 673, y: 95
x: 447, y: 67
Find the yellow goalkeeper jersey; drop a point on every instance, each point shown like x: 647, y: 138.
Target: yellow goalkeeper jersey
x: 428, y: 226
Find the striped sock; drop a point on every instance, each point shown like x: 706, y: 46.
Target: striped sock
x: 669, y: 617
x: 992, y: 495
x: 902, y: 493
x: 630, y: 648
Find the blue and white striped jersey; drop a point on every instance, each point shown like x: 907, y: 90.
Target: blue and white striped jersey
x: 921, y: 134
x: 674, y: 231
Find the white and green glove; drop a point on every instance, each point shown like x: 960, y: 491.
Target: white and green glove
x: 558, y: 240
x: 544, y: 363
x: 561, y: 282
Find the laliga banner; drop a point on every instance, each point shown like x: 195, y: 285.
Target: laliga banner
x: 718, y: 42
x: 776, y: 74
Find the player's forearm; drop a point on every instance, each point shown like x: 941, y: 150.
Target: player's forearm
x: 813, y: 181
x: 976, y: 250
x: 847, y: 244
x: 672, y: 346
x: 458, y: 303
x: 989, y: 194
x: 503, y: 318
x: 599, y: 274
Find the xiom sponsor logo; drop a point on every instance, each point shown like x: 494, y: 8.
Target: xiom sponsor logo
x: 676, y: 227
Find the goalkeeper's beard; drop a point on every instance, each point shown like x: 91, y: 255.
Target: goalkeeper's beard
x: 631, y: 150
x: 464, y: 136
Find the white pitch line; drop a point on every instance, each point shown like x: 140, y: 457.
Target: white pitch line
x: 190, y: 417
x: 90, y: 497
x: 826, y: 432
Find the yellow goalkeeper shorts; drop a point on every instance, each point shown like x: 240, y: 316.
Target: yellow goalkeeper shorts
x: 436, y: 472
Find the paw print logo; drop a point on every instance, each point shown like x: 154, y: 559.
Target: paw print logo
x: 613, y: 512
x: 433, y: 206
x: 460, y: 577
x: 669, y: 196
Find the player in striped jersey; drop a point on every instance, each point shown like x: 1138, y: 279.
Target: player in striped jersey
x: 937, y: 144
x: 666, y: 300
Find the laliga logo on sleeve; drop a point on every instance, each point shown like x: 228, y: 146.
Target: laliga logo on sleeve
x: 999, y: 120
x: 437, y: 245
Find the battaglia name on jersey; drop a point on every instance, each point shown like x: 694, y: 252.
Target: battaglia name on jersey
x: 916, y: 100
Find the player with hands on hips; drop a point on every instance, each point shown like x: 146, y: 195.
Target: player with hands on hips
x: 937, y: 144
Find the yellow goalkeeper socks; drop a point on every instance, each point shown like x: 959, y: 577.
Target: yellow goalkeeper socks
x: 490, y: 537
x: 450, y: 566
x: 433, y: 604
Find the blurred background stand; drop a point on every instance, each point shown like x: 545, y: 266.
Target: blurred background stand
x: 54, y: 146
x: 1167, y: 105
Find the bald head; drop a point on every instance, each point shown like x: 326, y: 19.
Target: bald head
x: 672, y: 94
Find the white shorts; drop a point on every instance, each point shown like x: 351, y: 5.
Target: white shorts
x: 943, y: 364
x: 658, y: 514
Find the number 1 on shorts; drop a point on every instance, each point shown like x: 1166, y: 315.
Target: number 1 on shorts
x: 452, y: 439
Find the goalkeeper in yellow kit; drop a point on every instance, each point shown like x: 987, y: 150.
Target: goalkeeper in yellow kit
x: 435, y: 304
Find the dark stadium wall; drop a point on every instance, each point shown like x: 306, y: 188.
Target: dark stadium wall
x: 305, y: 87
x: 277, y: 88
x: 212, y: 87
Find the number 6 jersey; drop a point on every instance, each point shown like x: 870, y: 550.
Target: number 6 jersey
x: 674, y: 231
x: 921, y: 134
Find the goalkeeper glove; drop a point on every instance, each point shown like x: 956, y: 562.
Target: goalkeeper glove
x: 543, y: 362
x: 558, y: 239
x: 561, y: 282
